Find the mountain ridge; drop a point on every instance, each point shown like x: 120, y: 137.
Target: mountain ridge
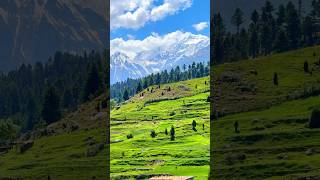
x: 32, y: 30
x: 190, y: 48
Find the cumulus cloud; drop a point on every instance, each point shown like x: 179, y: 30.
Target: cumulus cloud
x: 152, y: 43
x: 200, y: 26
x: 134, y: 14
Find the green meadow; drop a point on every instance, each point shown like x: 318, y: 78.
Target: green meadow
x: 65, y: 153
x: 274, y: 139
x: 158, y: 108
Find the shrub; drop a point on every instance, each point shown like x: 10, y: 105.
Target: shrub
x: 275, y: 79
x: 129, y: 136
x: 153, y: 134
x: 95, y: 149
x: 306, y: 67
x: 208, y: 99
x: 315, y: 119
x: 172, y: 133
x: 194, y: 125
x: 172, y: 113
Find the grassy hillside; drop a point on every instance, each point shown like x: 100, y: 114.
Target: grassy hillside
x: 159, y: 109
x: 71, y: 149
x: 239, y: 89
x: 275, y: 141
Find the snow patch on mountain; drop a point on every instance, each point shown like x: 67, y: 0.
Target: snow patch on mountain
x: 138, y: 58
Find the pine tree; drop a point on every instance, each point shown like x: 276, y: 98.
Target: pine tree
x: 51, y: 111
x: 139, y: 88
x: 172, y: 133
x: 93, y: 83
x: 293, y: 26
x: 126, y: 95
x: 217, y: 35
x: 237, y: 19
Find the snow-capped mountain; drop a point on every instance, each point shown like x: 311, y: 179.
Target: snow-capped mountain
x: 185, y: 49
x: 121, y: 68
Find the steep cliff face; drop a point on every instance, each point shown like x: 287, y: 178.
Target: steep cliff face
x: 32, y: 30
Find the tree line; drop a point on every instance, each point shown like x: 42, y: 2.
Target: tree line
x: 270, y: 30
x: 122, y: 91
x: 41, y: 93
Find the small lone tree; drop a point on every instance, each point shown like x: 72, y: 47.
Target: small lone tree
x: 172, y: 133
x: 314, y: 121
x: 129, y: 136
x: 306, y: 67
x: 275, y: 79
x: 202, y: 126
x: 194, y: 125
x: 153, y: 134
x: 166, y: 132
x: 236, y: 127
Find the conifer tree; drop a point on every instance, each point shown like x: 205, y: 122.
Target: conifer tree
x: 51, y: 111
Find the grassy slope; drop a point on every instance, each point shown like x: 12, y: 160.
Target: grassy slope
x: 62, y: 155
x: 249, y: 91
x: 187, y: 155
x: 274, y: 136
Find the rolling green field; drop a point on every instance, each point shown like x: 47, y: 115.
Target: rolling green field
x: 275, y: 141
x: 142, y: 155
x: 64, y: 154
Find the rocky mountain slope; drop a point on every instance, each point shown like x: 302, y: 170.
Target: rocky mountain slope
x: 32, y: 30
x: 187, y: 49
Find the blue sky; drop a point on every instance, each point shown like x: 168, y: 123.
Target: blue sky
x: 182, y: 20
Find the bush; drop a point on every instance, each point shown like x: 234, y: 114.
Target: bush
x: 194, y: 125
x: 129, y: 136
x: 208, y: 99
x: 172, y: 133
x: 153, y: 134
x: 95, y: 149
x: 315, y: 119
x: 275, y: 79
x: 172, y: 113
x: 306, y: 67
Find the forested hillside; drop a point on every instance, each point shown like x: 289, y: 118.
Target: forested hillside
x: 122, y: 91
x: 271, y: 30
x: 35, y: 95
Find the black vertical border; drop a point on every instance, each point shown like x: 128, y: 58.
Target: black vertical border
x: 107, y: 54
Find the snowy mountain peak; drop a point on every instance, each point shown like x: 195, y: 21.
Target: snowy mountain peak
x: 157, y: 53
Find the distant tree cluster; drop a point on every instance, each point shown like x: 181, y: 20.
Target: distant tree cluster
x: 270, y: 30
x: 42, y: 92
x: 122, y: 91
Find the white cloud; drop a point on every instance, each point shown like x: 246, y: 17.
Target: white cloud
x: 152, y: 43
x: 200, y: 26
x: 134, y: 14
